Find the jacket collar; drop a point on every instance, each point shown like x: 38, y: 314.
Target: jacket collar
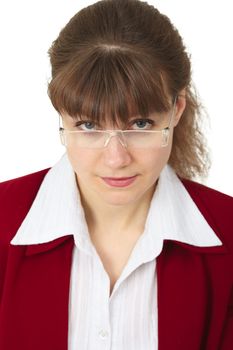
x: 57, y: 215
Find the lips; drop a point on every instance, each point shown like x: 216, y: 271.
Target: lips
x: 119, y: 181
x: 119, y: 178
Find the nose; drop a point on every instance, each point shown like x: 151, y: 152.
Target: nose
x: 115, y: 154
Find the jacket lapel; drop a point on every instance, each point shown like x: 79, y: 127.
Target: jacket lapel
x: 36, y: 297
x: 184, y: 290
x: 182, y: 299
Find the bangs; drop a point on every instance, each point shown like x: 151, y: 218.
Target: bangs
x: 109, y: 84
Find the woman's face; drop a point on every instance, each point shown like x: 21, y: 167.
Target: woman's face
x: 115, y: 161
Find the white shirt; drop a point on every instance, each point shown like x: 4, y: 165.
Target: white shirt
x: 127, y: 320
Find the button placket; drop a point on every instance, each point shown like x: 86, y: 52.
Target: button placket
x: 103, y: 334
x: 102, y: 319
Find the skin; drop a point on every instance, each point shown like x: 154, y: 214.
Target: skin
x: 116, y: 212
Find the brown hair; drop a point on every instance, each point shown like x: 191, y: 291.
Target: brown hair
x: 118, y: 58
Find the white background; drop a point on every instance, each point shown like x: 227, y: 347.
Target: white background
x: 29, y: 138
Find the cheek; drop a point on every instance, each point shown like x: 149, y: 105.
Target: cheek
x: 156, y: 159
x: 81, y: 161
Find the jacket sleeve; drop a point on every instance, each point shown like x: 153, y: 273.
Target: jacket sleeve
x: 3, y: 261
x: 227, y: 337
x: 16, y: 197
x: 3, y: 238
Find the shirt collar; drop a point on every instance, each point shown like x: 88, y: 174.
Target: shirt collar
x: 175, y: 215
x: 57, y: 211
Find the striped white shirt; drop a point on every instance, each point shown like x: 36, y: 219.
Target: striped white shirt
x: 126, y: 319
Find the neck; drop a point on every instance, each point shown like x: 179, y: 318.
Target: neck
x: 114, y: 221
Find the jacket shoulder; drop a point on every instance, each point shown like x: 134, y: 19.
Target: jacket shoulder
x: 25, y: 179
x: 16, y: 198
x: 205, y: 192
x: 215, y: 206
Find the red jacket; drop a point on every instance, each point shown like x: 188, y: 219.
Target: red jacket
x: 195, y: 284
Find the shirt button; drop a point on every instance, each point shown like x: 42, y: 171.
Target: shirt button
x: 103, y: 334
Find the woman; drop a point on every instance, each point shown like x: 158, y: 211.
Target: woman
x: 116, y: 246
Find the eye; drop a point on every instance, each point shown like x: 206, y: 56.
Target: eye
x: 142, y: 124
x: 85, y: 125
